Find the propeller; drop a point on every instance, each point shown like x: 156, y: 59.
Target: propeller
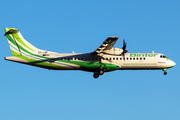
x: 124, y: 49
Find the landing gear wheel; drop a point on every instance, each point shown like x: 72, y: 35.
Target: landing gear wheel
x: 165, y: 73
x: 101, y: 72
x: 95, y: 75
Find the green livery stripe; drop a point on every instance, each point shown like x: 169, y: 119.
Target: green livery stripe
x: 93, y: 65
x: 86, y: 65
x: 22, y: 49
x: 42, y: 61
x: 17, y: 37
x: 39, y: 63
x: 71, y: 66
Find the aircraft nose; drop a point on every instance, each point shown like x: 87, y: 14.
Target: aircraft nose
x: 173, y: 64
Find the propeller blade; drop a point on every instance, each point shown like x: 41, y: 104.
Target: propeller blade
x: 124, y: 47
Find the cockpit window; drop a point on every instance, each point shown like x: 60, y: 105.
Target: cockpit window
x: 163, y: 56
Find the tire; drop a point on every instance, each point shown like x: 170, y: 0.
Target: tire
x: 95, y: 75
x: 165, y: 73
x: 101, y: 72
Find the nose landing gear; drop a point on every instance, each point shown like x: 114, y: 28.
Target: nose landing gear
x: 165, y: 69
x: 165, y: 73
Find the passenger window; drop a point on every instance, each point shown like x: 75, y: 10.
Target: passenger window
x: 113, y: 58
x: 127, y: 58
x: 130, y: 58
x: 133, y: 58
x: 116, y: 58
x: 144, y: 58
x: 120, y: 58
x: 106, y: 58
x: 137, y: 58
x: 140, y: 58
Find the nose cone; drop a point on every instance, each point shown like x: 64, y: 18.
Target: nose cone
x: 173, y: 64
x: 170, y: 63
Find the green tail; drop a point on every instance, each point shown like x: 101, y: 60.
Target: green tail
x: 17, y: 43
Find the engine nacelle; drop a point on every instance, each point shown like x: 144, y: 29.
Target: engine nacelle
x: 114, y: 51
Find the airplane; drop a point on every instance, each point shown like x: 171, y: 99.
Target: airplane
x: 105, y: 58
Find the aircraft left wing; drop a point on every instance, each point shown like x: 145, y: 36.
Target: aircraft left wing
x: 107, y: 44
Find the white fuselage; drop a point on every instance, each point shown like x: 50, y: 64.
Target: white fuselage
x: 128, y: 61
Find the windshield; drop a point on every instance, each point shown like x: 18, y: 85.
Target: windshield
x: 163, y: 56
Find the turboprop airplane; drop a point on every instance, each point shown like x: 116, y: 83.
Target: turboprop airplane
x: 106, y: 58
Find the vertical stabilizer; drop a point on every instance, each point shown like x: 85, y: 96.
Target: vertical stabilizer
x: 17, y: 43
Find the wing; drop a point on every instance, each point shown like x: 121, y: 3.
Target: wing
x: 107, y: 44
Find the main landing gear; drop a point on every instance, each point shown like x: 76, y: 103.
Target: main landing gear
x: 100, y: 72
x: 96, y: 75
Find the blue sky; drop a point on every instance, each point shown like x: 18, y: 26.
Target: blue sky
x: 33, y: 93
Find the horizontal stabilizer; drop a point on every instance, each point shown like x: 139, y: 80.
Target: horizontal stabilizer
x: 11, y: 31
